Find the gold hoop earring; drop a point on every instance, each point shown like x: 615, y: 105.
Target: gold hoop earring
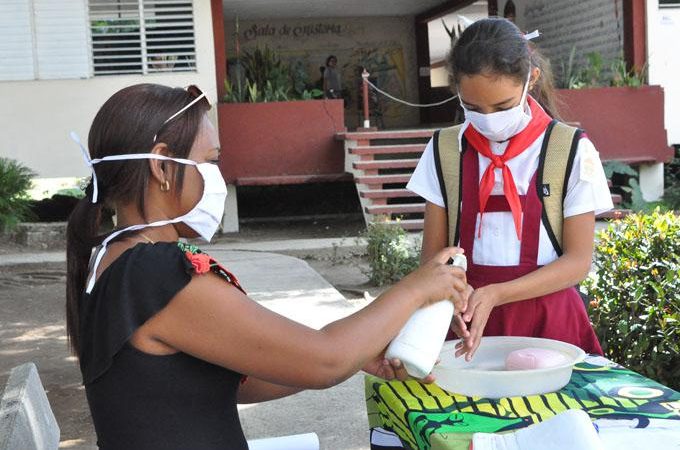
x: 165, y: 186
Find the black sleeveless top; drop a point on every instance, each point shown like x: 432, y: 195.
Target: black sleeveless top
x: 142, y: 401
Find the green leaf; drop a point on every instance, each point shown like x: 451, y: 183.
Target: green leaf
x: 15, y: 181
x: 612, y: 167
x: 636, y: 279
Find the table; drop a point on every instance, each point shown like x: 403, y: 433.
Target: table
x: 425, y: 417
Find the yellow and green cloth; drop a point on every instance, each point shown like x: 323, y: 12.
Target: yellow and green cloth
x: 425, y: 417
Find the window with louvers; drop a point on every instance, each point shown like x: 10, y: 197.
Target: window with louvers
x: 142, y: 36
x: 43, y: 40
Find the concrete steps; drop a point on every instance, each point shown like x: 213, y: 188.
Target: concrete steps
x: 396, y: 209
x: 382, y: 162
x: 386, y: 164
x: 383, y: 179
x: 387, y: 193
x: 387, y: 149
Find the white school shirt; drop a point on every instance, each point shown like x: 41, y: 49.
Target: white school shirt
x: 587, y: 191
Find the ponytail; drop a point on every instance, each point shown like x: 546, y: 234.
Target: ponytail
x: 543, y: 90
x: 81, y: 235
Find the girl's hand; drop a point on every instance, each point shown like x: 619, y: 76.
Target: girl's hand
x: 482, y: 301
x: 458, y: 325
x: 439, y: 280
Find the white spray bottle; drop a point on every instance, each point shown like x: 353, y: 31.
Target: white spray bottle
x: 420, y: 341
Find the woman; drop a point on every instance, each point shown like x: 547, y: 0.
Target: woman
x: 167, y: 340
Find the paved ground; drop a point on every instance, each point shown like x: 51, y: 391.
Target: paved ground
x: 32, y: 329
x: 32, y: 325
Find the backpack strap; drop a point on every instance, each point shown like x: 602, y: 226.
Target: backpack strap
x: 448, y: 161
x: 554, y: 167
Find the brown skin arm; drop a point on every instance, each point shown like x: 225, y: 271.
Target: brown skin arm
x: 568, y: 270
x: 255, y: 390
x: 214, y: 321
x: 435, y: 232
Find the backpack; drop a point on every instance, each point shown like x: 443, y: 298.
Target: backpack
x: 554, y: 167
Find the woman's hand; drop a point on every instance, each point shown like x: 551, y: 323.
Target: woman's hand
x: 392, y: 369
x: 437, y: 280
x: 481, y: 302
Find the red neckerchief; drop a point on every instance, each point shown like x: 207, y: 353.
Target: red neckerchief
x: 518, y: 143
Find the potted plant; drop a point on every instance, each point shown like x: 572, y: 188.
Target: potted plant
x: 275, y: 128
x: 621, y: 113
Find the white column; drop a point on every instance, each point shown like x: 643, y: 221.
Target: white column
x: 651, y: 181
x: 230, y: 218
x: 663, y: 26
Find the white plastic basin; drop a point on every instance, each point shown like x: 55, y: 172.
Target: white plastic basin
x: 485, y: 375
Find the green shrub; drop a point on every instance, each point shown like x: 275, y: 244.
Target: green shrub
x: 671, y: 194
x: 391, y: 255
x: 594, y: 72
x: 260, y: 76
x: 75, y: 192
x: 267, y: 79
x: 15, y: 181
x: 635, y: 294
x: 671, y: 197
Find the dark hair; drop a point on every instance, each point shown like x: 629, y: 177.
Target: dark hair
x: 331, y: 57
x: 496, y: 46
x: 126, y: 123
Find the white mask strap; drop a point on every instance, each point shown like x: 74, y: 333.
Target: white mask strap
x: 91, y: 162
x: 192, y: 103
x: 142, y: 156
x: 88, y: 161
x: 109, y: 238
x: 525, y: 91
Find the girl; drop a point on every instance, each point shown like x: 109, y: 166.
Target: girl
x: 524, y: 284
x: 164, y: 335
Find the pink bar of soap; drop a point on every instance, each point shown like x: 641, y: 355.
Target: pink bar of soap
x: 534, y: 358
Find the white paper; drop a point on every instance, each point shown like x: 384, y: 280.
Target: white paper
x: 640, y: 438
x: 308, y: 441
x: 569, y: 430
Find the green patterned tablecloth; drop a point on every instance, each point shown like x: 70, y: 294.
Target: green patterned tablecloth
x: 426, y: 417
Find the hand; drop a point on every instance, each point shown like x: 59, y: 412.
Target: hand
x: 458, y: 325
x: 482, y: 301
x: 439, y: 280
x: 392, y: 369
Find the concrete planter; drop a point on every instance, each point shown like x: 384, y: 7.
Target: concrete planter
x: 624, y: 123
x: 39, y: 235
x: 281, y: 142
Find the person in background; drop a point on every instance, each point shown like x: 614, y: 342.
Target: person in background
x: 332, y: 83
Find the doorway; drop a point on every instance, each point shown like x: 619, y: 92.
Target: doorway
x: 434, y: 32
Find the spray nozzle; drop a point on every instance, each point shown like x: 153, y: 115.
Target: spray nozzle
x: 459, y: 260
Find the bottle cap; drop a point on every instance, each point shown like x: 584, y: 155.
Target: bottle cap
x: 459, y: 261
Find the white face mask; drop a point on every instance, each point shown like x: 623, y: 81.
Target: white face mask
x: 204, y: 218
x: 502, y: 125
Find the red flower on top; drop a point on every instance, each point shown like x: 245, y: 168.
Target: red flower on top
x: 200, y: 262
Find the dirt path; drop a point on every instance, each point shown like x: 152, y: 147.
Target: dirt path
x: 32, y: 328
